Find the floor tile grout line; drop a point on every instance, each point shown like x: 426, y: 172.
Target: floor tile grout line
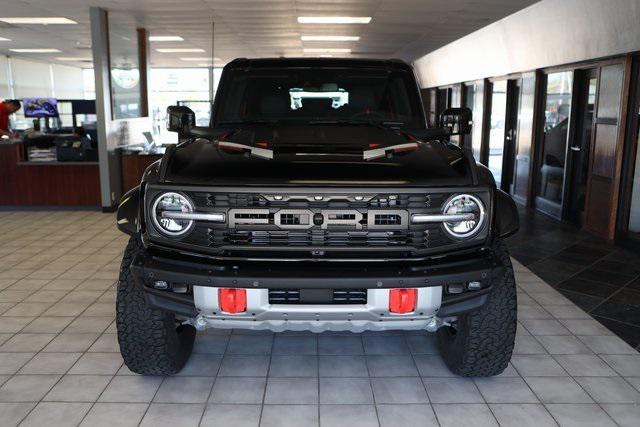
x: 38, y: 352
x: 215, y: 380
x: 266, y: 382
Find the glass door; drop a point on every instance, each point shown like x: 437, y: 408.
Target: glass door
x: 553, y: 155
x: 497, y: 130
x: 505, y: 100
x: 580, y: 146
x: 630, y: 206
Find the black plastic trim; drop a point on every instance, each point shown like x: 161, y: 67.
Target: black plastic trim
x: 315, y: 275
x: 167, y: 301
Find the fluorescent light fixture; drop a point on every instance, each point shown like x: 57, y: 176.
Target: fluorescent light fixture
x: 165, y: 39
x: 199, y: 58
x: 4, y: 39
x: 330, y: 38
x: 52, y: 20
x: 36, y: 50
x: 179, y: 50
x: 327, y: 50
x: 74, y: 58
x: 334, y: 19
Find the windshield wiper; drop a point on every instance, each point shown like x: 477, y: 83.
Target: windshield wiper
x: 248, y: 122
x: 263, y: 153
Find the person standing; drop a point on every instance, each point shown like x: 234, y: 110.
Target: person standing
x: 7, y: 108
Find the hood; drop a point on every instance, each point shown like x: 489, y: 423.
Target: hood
x: 317, y: 155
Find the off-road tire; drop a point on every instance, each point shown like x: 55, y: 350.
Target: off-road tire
x: 481, y: 342
x: 151, y: 341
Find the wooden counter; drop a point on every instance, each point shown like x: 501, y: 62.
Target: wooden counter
x: 133, y: 167
x: 46, y: 184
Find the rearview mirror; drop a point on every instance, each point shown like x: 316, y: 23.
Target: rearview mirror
x: 180, y: 118
x: 456, y: 121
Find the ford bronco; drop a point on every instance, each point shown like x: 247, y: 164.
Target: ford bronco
x: 318, y: 199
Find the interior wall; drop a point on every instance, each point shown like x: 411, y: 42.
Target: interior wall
x: 548, y: 33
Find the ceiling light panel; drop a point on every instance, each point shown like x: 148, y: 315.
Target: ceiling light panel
x: 36, y: 50
x: 179, y: 50
x: 326, y: 50
x: 201, y: 58
x: 52, y: 20
x: 334, y: 19
x: 74, y: 58
x: 165, y: 39
x: 330, y: 38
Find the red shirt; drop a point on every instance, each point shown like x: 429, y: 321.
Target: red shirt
x: 4, y: 117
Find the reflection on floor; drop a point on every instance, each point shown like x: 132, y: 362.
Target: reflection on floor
x: 60, y: 366
x: 602, y: 279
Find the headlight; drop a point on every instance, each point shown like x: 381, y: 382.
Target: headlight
x: 172, y: 203
x: 464, y: 204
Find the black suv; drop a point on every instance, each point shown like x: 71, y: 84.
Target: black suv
x: 318, y: 199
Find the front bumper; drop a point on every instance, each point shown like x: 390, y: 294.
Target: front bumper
x: 205, y: 276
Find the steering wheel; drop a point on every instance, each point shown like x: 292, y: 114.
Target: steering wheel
x: 368, y: 115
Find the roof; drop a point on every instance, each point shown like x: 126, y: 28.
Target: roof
x: 315, y: 62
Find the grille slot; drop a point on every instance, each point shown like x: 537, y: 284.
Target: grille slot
x: 339, y: 296
x: 387, y: 219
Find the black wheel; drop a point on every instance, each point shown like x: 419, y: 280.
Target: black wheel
x: 480, y: 343
x: 151, y: 341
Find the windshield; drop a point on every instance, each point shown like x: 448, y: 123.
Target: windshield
x: 303, y: 95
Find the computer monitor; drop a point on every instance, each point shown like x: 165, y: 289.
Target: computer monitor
x: 40, y: 107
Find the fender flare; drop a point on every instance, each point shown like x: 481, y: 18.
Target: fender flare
x: 507, y: 217
x: 128, y: 214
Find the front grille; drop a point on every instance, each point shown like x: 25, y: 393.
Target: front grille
x: 332, y: 296
x: 256, y: 221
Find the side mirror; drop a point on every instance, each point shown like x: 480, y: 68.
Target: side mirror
x: 180, y: 118
x: 456, y: 121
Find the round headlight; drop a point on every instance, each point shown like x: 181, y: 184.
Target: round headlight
x: 168, y: 203
x: 464, y: 204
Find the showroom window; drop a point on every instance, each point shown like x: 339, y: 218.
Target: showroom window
x: 184, y: 86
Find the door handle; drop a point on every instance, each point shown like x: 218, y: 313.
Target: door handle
x: 574, y: 148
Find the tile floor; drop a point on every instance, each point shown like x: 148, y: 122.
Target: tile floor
x: 60, y: 366
x: 600, y: 278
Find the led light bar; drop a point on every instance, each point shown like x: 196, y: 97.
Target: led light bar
x: 194, y: 216
x: 427, y: 218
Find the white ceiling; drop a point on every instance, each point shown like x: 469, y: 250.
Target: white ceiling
x: 255, y: 28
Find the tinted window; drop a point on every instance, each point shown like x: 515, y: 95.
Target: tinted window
x: 327, y: 94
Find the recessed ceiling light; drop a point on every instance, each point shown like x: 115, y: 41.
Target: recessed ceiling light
x: 326, y: 50
x: 334, y: 19
x: 326, y: 56
x: 330, y: 38
x: 165, y: 39
x: 37, y: 50
x: 3, y: 39
x: 74, y: 58
x: 179, y: 50
x: 199, y: 58
x: 52, y: 20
